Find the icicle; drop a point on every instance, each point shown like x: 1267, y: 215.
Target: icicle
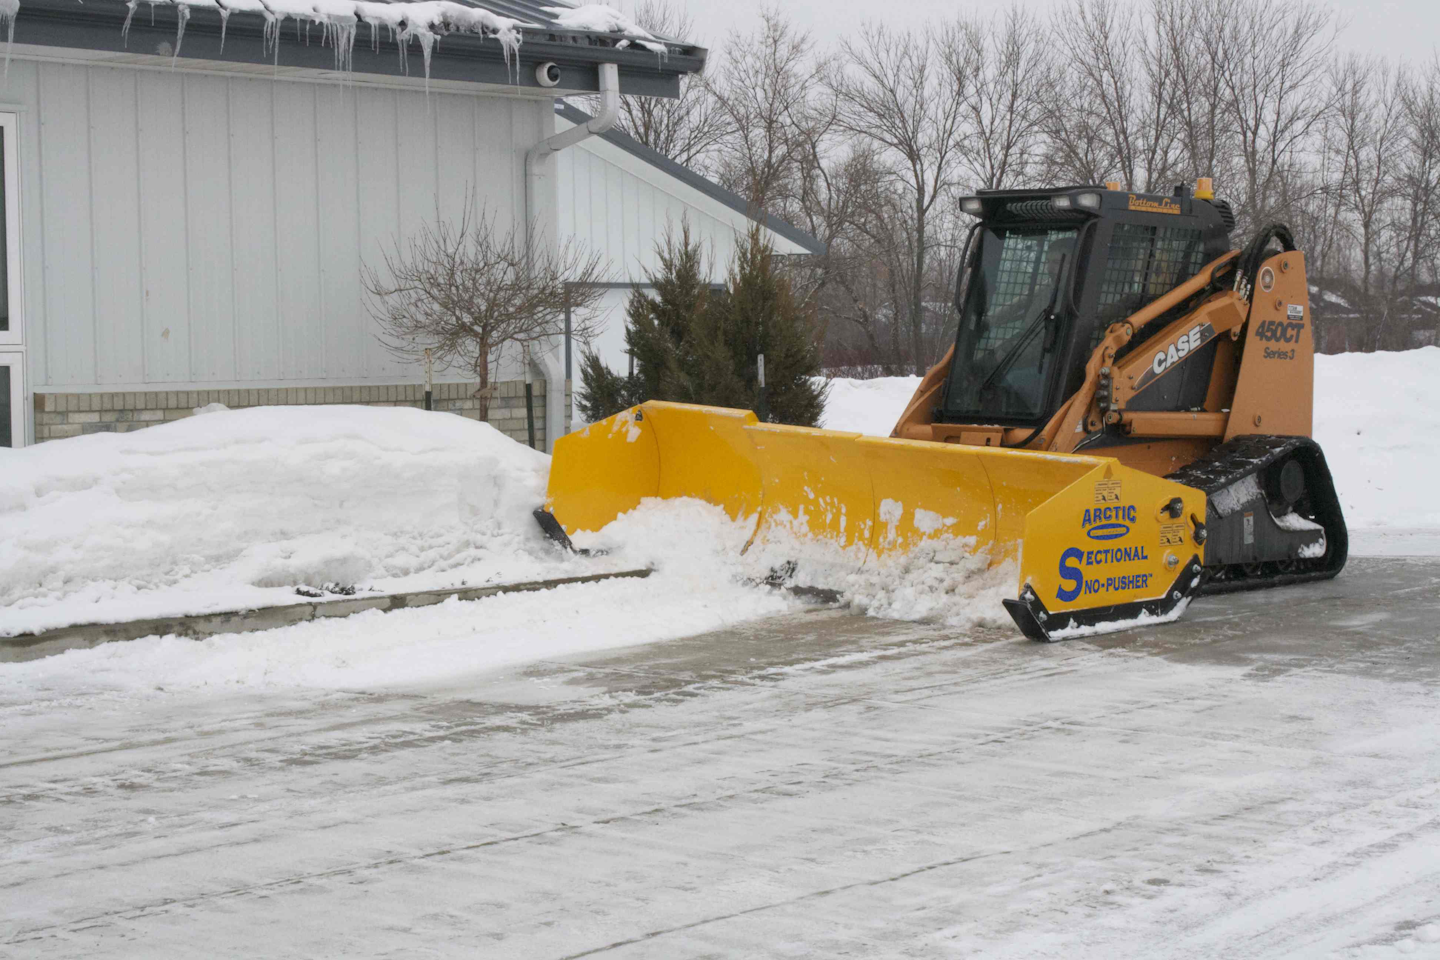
x: 508, y: 37
x: 426, y: 40
x: 339, y: 23
x: 182, y: 17
x: 273, y: 23
x: 224, y: 22
x: 125, y: 30
x: 8, y: 11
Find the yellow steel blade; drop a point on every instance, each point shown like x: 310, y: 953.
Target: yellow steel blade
x: 1108, y: 539
x: 654, y: 450
x: 1090, y: 534
x: 602, y: 471
x: 816, y: 488
x: 927, y: 491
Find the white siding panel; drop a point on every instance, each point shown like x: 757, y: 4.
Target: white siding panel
x: 493, y: 162
x: 65, y: 160
x: 207, y: 192
x: 164, y: 243
x: 614, y: 236
x: 379, y: 202
x: 338, y: 195
x: 252, y: 205
x: 22, y: 87
x: 115, y: 205
x: 455, y: 145
x: 297, y: 232
x: 415, y: 130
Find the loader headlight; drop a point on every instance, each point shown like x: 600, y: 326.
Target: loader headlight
x: 971, y: 205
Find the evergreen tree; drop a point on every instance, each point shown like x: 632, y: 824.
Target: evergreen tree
x: 660, y: 331
x: 693, y: 346
x: 606, y: 393
x: 759, y: 315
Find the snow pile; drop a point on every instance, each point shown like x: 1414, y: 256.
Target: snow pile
x: 238, y: 508
x: 696, y: 587
x: 1377, y: 417
x: 867, y: 406
x: 944, y: 580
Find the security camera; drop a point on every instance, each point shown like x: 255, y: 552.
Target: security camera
x: 547, y: 75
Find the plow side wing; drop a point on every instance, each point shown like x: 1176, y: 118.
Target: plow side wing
x: 1095, y: 541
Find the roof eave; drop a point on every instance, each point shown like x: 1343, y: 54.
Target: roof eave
x: 98, y: 26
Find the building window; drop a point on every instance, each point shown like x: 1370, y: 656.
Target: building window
x: 12, y: 400
x: 11, y: 332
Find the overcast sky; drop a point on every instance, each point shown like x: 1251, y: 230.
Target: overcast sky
x: 1407, y: 29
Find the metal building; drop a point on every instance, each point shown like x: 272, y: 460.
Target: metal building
x: 188, y: 197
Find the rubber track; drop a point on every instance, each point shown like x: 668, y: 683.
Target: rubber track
x: 1233, y: 461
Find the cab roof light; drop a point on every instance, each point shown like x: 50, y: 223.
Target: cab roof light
x: 1112, y: 185
x: 1204, y: 188
x: 1061, y: 203
x: 1089, y: 201
x: 972, y: 206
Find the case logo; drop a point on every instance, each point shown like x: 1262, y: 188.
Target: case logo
x: 1166, y: 357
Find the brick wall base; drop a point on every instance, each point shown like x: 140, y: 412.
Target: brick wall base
x: 60, y: 415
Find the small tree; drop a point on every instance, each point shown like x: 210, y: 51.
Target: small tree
x: 466, y: 291
x: 696, y: 346
x: 759, y: 316
x: 660, y: 333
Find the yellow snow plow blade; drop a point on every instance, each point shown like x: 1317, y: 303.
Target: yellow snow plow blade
x: 1098, y: 544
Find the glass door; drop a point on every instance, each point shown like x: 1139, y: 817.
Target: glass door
x: 13, y: 396
x: 12, y: 332
x: 12, y: 400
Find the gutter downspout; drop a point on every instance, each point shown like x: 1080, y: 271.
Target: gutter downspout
x: 535, y: 165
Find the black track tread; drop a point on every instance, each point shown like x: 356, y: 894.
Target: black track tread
x: 1232, y: 461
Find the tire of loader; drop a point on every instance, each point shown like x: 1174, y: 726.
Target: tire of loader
x: 1269, y: 557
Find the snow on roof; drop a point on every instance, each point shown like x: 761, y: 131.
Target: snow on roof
x: 602, y: 18
x: 423, y: 21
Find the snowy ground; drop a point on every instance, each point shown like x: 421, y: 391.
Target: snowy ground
x: 1257, y: 781
x: 501, y: 779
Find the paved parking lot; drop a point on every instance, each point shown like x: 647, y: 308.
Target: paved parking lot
x: 1262, y: 779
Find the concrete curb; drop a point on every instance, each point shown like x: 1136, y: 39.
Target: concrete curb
x: 33, y: 646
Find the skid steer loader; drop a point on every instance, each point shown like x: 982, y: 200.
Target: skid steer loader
x: 1125, y: 414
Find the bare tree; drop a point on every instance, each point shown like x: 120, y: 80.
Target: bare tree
x: 893, y: 90
x: 1193, y: 36
x: 687, y: 129
x: 1001, y: 71
x: 1113, y: 105
x: 1276, y: 91
x: 766, y: 89
x: 465, y: 291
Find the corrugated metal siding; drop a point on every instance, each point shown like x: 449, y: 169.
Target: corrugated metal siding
x: 617, y: 203
x: 192, y: 229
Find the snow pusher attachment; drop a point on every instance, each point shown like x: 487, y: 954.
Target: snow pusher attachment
x: 1097, y: 543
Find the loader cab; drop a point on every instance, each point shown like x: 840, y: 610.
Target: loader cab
x: 1046, y: 273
